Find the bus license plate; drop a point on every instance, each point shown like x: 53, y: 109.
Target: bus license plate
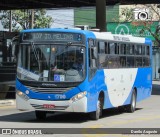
x: 48, y: 106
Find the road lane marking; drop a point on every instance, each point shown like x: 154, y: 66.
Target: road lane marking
x: 118, y: 123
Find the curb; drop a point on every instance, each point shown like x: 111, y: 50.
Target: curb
x: 156, y: 82
x: 7, y: 102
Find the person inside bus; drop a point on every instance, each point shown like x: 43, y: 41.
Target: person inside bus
x: 78, y: 65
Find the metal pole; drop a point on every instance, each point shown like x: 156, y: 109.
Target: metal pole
x: 101, y: 15
x: 32, y: 19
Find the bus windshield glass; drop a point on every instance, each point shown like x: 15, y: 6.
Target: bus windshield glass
x: 51, y: 62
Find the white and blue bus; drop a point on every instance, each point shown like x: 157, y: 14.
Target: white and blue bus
x: 113, y: 71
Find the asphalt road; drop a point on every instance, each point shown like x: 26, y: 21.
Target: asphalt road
x: 147, y: 115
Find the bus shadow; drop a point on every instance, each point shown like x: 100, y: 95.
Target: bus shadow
x: 29, y: 117
x: 115, y: 111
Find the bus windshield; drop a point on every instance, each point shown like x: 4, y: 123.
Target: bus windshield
x: 51, y: 62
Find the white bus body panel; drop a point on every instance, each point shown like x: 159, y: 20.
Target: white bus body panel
x: 65, y: 106
x: 116, y: 37
x: 119, y: 84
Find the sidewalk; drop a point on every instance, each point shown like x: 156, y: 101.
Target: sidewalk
x: 156, y: 82
x: 7, y: 102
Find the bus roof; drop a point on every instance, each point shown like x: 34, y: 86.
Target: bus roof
x: 72, y: 30
x: 99, y: 35
x: 120, y: 38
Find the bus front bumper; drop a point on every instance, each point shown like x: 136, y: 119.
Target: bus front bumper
x: 45, y: 105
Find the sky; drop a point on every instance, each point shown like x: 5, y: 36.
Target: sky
x: 63, y: 18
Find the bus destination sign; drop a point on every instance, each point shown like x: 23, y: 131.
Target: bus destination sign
x: 46, y: 36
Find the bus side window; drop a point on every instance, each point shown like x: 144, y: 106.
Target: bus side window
x: 143, y: 50
x: 103, y: 61
x: 113, y: 61
x: 116, y: 48
x: 101, y: 47
x: 138, y: 61
x: 146, y: 62
x: 111, y: 48
x: 123, y: 61
x: 138, y: 49
x: 94, y: 57
x: 132, y: 49
x: 130, y: 61
x: 106, y: 48
x: 123, y: 49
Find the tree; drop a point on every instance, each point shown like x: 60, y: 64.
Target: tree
x: 128, y: 15
x: 21, y: 19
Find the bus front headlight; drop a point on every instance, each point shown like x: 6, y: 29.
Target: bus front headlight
x: 22, y: 95
x: 79, y: 96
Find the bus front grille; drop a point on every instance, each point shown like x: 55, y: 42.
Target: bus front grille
x: 49, y: 90
x: 55, y: 108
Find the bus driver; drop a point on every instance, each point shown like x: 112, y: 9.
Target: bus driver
x: 78, y: 65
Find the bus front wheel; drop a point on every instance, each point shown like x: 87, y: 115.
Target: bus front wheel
x: 96, y: 114
x: 132, y: 106
x: 40, y: 115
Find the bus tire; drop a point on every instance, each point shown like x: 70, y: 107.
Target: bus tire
x: 132, y: 106
x: 40, y: 115
x: 98, y: 113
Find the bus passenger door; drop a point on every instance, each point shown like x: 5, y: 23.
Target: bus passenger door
x: 92, y: 60
x: 92, y: 69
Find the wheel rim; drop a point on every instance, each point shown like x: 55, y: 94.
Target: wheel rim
x: 133, y: 101
x: 97, y: 114
x: 98, y: 108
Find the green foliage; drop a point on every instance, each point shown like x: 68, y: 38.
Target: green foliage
x: 21, y: 19
x: 126, y: 15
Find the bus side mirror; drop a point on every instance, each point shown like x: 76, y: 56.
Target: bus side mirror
x: 94, y: 52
